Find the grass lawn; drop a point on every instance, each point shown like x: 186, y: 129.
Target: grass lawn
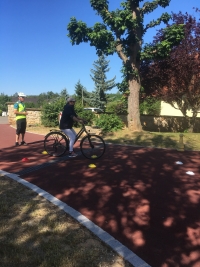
x: 153, y: 139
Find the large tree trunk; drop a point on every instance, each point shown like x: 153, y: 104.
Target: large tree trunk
x: 134, y: 123
x: 192, y: 122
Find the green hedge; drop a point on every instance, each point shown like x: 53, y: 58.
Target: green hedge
x: 109, y: 122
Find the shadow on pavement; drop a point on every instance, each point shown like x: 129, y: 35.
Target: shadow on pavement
x: 140, y: 196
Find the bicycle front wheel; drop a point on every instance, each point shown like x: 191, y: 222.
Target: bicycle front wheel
x: 55, y: 143
x: 92, y: 146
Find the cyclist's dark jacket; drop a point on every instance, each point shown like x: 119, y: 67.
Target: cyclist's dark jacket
x: 68, y: 113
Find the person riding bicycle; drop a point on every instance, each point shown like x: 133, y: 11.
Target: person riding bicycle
x: 66, y: 123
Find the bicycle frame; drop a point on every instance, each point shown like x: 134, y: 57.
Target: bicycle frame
x: 82, y: 130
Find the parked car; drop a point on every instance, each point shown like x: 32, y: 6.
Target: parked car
x: 96, y: 110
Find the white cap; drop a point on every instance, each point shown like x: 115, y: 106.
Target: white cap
x: 70, y: 99
x: 21, y: 94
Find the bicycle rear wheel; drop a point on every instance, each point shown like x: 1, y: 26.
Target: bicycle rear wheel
x: 92, y: 146
x: 56, y: 143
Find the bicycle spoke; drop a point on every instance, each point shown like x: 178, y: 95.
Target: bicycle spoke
x: 55, y: 144
x: 92, y: 146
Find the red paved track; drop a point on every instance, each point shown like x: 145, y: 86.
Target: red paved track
x: 138, y: 195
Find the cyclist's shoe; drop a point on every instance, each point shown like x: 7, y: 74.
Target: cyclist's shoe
x: 23, y: 143
x: 16, y: 144
x: 72, y: 154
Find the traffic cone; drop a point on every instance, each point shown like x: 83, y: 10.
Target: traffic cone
x: 25, y: 159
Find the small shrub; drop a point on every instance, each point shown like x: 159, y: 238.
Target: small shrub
x: 78, y: 106
x: 111, y: 106
x: 121, y: 108
x: 31, y: 105
x: 109, y: 122
x: 117, y: 107
x: 86, y: 115
x: 150, y: 106
x: 50, y: 112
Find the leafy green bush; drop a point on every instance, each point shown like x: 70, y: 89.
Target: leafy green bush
x: 50, y: 112
x: 31, y: 105
x: 117, y: 107
x: 0, y: 112
x: 121, y: 108
x: 109, y: 122
x: 111, y: 106
x: 86, y: 115
x: 150, y: 106
x: 78, y: 106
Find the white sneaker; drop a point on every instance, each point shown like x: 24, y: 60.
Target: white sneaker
x: 72, y: 154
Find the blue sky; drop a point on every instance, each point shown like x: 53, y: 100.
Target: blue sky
x: 36, y: 55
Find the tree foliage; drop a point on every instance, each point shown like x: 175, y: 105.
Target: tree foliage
x: 50, y: 112
x: 46, y: 97
x: 102, y: 85
x: 176, y: 79
x: 109, y: 122
x: 64, y: 93
x: 99, y: 74
x: 150, y: 106
x: 51, y: 107
x: 3, y: 99
x: 117, y: 107
x: 81, y: 93
x: 122, y: 31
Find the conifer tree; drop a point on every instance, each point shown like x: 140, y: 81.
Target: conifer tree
x: 98, y: 97
x: 64, y: 93
x: 81, y: 92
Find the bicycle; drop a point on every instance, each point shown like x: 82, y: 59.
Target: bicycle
x: 92, y: 146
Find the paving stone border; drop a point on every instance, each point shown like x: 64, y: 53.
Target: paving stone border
x: 118, y: 247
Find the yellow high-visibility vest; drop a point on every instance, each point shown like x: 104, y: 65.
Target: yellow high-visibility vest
x: 21, y: 108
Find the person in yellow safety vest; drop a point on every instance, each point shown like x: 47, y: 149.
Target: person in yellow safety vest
x: 20, y: 111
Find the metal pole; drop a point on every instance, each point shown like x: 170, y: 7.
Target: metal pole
x: 82, y: 96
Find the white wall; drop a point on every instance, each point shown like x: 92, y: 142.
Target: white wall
x: 168, y: 110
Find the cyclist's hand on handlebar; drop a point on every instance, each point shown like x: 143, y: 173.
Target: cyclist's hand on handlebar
x: 81, y: 121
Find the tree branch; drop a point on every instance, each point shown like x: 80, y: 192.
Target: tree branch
x: 165, y: 17
x: 120, y: 51
x: 149, y: 7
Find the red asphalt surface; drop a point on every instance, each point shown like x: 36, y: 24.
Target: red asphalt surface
x: 138, y: 195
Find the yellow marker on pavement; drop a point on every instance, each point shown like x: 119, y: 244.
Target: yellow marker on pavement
x: 92, y: 166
